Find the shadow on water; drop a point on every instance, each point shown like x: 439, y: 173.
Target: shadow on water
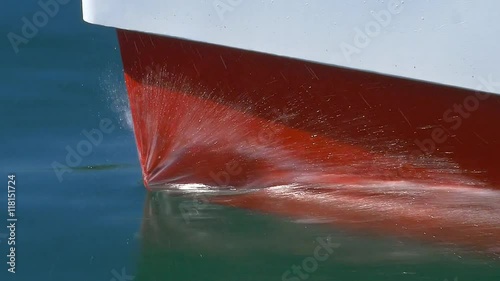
x: 184, y: 237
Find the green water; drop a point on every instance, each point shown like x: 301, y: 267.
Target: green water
x: 220, y: 243
x: 95, y: 221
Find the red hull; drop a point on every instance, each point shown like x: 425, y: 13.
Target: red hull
x: 226, y: 117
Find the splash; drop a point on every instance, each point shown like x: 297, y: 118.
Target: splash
x: 189, y: 134
x: 116, y: 96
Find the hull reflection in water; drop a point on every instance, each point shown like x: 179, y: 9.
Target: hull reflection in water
x: 185, y: 237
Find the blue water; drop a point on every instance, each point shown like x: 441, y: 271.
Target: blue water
x: 97, y: 222
x: 58, y: 84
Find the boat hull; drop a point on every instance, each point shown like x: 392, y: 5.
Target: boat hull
x: 317, y: 143
x: 233, y: 118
